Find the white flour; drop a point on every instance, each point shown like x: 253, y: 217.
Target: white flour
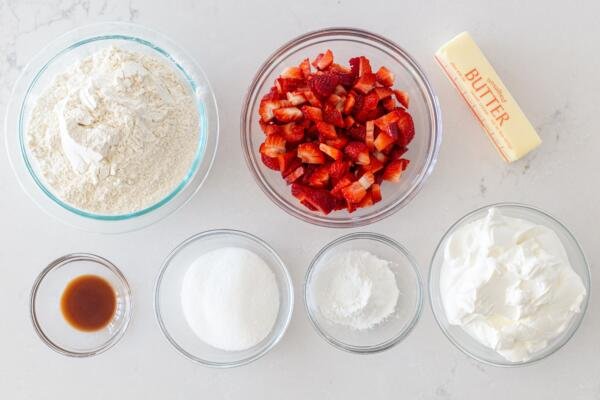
x: 114, y: 133
x: 357, y: 289
x: 230, y: 298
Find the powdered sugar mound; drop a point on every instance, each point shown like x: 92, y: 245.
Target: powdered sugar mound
x: 114, y: 133
x: 357, y: 289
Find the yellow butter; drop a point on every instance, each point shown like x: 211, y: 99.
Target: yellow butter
x: 499, y: 114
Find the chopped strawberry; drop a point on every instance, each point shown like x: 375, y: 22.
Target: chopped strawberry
x: 294, y: 175
x: 380, y: 156
x: 358, y: 152
x: 358, y: 132
x: 274, y: 145
x: 312, y: 98
x: 292, y: 73
x: 327, y: 130
x: 323, y: 60
x: 367, y: 180
x: 339, y: 143
x: 364, y: 66
x: 319, y: 177
x: 285, y: 85
x: 394, y: 170
x: 354, y: 192
x: 374, y: 166
x: 349, y: 121
x: 349, y: 103
x: 310, y: 153
x: 340, y: 90
x: 293, y: 165
x: 385, y: 77
x: 369, y: 134
x: 269, y: 128
x: 323, y: 85
x: 388, y: 103
x: 270, y: 162
x: 333, y: 116
x: 402, y: 97
x: 296, y: 98
x: 383, y: 92
x: 343, y: 182
x: 331, y: 151
x: 407, y: 127
x: 366, y: 201
x: 338, y: 168
x: 335, y: 100
x: 285, y: 160
x: 355, y: 66
x: 398, y: 152
x: 365, y: 83
x: 319, y: 199
x: 292, y: 132
x: 370, y: 101
x: 376, y: 192
x: 267, y: 108
x: 312, y: 113
x: 288, y: 114
x: 383, y: 141
x: 305, y: 68
x: 385, y: 121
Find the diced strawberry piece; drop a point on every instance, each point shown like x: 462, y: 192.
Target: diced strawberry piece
x: 358, y: 152
x: 285, y: 85
x: 383, y: 92
x: 294, y: 175
x: 343, y: 182
x: 338, y: 168
x: 374, y: 166
x: 380, y: 156
x: 267, y: 108
x: 292, y: 73
x: 370, y: 101
x: 323, y: 60
x: 272, y: 95
x: 369, y: 133
x: 354, y: 66
x: 354, y: 192
x: 331, y: 151
x: 270, y: 162
x: 288, y: 114
x: 388, y: 103
x: 333, y: 116
x: 366, y: 201
x: 285, y: 160
x: 309, y: 206
x: 393, y: 131
x: 319, y: 199
x: 394, y: 170
x: 367, y: 179
x: 334, y: 100
x: 310, y: 153
x: 296, y: 98
x: 383, y: 141
x: 274, y: 145
x: 338, y: 68
x: 398, y: 152
x: 358, y: 132
x: 323, y: 85
x: 312, y: 113
x: 312, y: 98
x: 407, y: 128
x: 340, y: 90
x: 365, y: 83
x: 385, y: 77
x: 386, y: 120
x: 325, y: 129
x: 292, y: 132
x: 292, y: 165
x: 269, y: 128
x: 402, y: 97
x: 305, y: 68
x: 349, y: 103
x: 376, y: 192
x: 364, y: 66
x: 339, y: 143
x: 319, y: 178
x: 349, y: 121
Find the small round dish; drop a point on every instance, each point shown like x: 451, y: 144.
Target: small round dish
x: 48, y: 320
x: 168, y: 308
x: 346, y: 43
x: 459, y: 337
x: 408, y: 309
x: 66, y: 50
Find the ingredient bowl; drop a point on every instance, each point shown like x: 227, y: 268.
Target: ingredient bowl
x: 168, y: 305
x: 346, y: 43
x: 408, y: 308
x: 459, y: 337
x: 65, y: 51
x: 48, y: 320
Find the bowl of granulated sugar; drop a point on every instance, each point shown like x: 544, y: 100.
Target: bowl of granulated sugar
x: 223, y: 298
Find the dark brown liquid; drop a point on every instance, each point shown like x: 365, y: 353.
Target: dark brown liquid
x: 88, y: 303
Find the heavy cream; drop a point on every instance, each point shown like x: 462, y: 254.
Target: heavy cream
x: 509, y: 284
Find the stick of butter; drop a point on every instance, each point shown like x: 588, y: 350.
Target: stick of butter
x: 497, y: 111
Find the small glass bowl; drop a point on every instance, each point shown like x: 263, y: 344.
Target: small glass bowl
x: 460, y: 338
x: 47, y: 317
x: 408, y: 309
x: 63, y: 52
x: 424, y: 108
x: 169, y: 312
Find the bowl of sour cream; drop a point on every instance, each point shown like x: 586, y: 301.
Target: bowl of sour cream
x: 509, y: 284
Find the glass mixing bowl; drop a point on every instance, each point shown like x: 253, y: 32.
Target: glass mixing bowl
x: 461, y: 338
x: 168, y: 308
x: 424, y: 108
x: 63, y: 52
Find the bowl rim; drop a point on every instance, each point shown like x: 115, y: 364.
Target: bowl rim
x: 396, y: 339
x: 162, y: 47
x: 586, y: 280
x: 66, y: 259
x: 276, y: 259
x: 435, y: 133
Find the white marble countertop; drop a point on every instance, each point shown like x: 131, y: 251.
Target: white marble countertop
x: 548, y: 56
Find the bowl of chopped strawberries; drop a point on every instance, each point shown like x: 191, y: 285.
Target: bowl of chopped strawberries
x: 340, y: 127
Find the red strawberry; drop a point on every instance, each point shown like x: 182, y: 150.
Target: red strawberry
x: 365, y: 83
x: 386, y: 120
x: 274, y: 145
x: 288, y: 114
x: 291, y: 167
x: 354, y: 192
x: 364, y: 66
x: 383, y: 141
x: 292, y: 132
x: 402, y: 97
x: 312, y: 98
x: 285, y: 85
x: 327, y: 130
x: 285, y: 160
x: 349, y: 121
x: 339, y: 143
x: 398, y: 152
x: 349, y: 103
x: 370, y: 101
x: 296, y: 98
x: 385, y: 77
x: 338, y: 168
x: 374, y: 166
x: 323, y: 85
x: 272, y: 95
x: 294, y: 175
x: 305, y: 68
x: 407, y: 128
x: 333, y: 116
x: 340, y: 90
x: 358, y: 132
x: 354, y: 66
x: 312, y: 113
x: 367, y: 180
x: 376, y: 192
x: 343, y: 182
x: 331, y: 151
x: 383, y: 92
x: 310, y: 153
x: 394, y: 170
x: 269, y: 128
x: 369, y: 134
x: 388, y: 103
x: 319, y: 199
x: 319, y: 178
x: 292, y: 73
x: 267, y: 108
x: 367, y: 201
x: 358, y: 152
x: 380, y: 156
x: 270, y: 162
x: 323, y: 60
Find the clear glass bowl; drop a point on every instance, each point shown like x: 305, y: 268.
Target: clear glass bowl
x: 169, y: 312
x: 63, y: 52
x: 47, y: 317
x: 462, y: 339
x: 424, y: 108
x: 408, y: 309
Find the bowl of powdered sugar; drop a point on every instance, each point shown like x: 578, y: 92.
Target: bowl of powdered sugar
x: 363, y: 293
x: 111, y: 127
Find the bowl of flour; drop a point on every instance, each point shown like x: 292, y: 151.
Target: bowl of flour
x: 112, y: 127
